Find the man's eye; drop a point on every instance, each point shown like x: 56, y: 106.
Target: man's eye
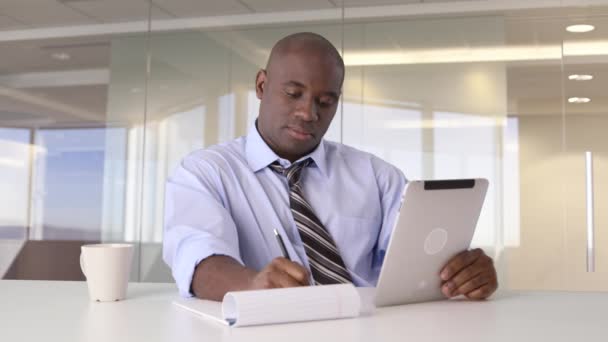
x: 292, y: 94
x: 326, y: 104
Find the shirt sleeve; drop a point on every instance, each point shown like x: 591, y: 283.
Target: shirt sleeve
x: 391, y: 183
x: 196, y: 223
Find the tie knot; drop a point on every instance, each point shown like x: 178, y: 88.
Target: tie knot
x: 293, y: 173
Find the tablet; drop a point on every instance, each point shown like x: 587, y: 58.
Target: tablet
x: 436, y: 221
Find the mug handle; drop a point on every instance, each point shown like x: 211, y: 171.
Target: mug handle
x: 82, y: 265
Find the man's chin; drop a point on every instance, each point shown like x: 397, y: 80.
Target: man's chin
x: 300, y: 149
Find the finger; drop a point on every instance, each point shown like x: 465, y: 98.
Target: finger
x: 466, y: 274
x: 460, y: 261
x: 482, y: 292
x: 281, y: 279
x: 473, y: 284
x: 294, y: 270
x: 451, y: 287
x: 447, y: 291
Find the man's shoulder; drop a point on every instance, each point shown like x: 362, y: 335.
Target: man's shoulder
x: 336, y: 149
x: 219, y: 155
x: 351, y: 155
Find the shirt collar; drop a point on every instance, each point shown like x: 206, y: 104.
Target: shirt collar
x: 259, y: 155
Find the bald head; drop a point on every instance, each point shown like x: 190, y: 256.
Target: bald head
x: 299, y: 93
x: 304, y: 43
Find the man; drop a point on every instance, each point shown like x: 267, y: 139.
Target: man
x: 334, y: 206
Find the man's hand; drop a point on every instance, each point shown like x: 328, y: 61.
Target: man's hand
x: 218, y: 274
x: 470, y: 273
x: 281, y: 272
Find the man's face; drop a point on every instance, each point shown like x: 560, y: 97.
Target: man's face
x: 299, y: 96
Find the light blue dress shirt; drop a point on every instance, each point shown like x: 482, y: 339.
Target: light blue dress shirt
x: 225, y: 200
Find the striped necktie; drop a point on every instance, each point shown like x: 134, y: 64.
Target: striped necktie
x: 325, y: 262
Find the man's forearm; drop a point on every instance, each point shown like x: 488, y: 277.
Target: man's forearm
x: 218, y: 274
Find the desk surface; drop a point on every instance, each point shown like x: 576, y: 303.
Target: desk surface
x: 61, y: 311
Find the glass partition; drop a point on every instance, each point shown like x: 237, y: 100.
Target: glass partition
x: 66, y: 154
x: 411, y: 100
x: 585, y: 159
x: 99, y: 103
x: 535, y: 105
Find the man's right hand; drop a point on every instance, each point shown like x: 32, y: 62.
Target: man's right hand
x: 281, y: 272
x: 218, y: 274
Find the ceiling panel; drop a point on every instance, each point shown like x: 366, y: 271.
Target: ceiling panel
x: 12, y: 3
x: 118, y: 10
x: 552, y: 30
x: 357, y: 3
x: 7, y: 23
x: 25, y: 109
x: 93, y: 98
x: 449, y: 0
x: 198, y: 8
x: 287, y: 5
x: 34, y: 56
x: 40, y: 13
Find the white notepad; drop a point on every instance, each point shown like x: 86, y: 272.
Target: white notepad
x: 295, y: 304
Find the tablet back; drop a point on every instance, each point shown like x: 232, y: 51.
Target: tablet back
x: 436, y: 221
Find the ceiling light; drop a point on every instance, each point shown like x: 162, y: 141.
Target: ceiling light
x: 135, y: 90
x: 579, y: 100
x: 576, y: 77
x: 453, y: 55
x: 60, y: 56
x: 580, y: 28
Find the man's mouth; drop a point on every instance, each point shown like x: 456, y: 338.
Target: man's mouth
x: 299, y: 133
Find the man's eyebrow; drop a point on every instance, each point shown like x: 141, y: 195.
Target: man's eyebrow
x: 294, y: 83
x: 300, y: 85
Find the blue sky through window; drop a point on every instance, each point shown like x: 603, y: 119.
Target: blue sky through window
x: 73, y: 175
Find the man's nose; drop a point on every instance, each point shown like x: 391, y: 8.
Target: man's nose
x: 307, y: 110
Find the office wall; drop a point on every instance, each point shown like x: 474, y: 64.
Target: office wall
x: 537, y: 262
x: 440, y: 96
x: 586, y: 132
x: 552, y: 251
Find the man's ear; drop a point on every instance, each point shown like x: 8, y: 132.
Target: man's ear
x: 260, y: 82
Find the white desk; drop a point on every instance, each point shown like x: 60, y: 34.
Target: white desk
x: 61, y: 311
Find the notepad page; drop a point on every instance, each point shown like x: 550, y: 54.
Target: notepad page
x: 291, y: 304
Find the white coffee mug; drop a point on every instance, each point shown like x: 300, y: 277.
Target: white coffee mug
x: 107, y: 268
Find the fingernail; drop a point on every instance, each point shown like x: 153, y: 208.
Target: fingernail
x: 444, y: 275
x: 446, y: 290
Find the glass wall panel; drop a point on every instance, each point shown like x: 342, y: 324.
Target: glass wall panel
x: 586, y: 121
x: 533, y: 172
x: 70, y: 174
x: 438, y: 97
x: 101, y: 101
x: 71, y: 101
x: 425, y: 95
x: 15, y: 175
x: 201, y: 92
x: 14, y: 180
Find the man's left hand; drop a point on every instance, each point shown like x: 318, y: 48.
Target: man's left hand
x: 470, y: 273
